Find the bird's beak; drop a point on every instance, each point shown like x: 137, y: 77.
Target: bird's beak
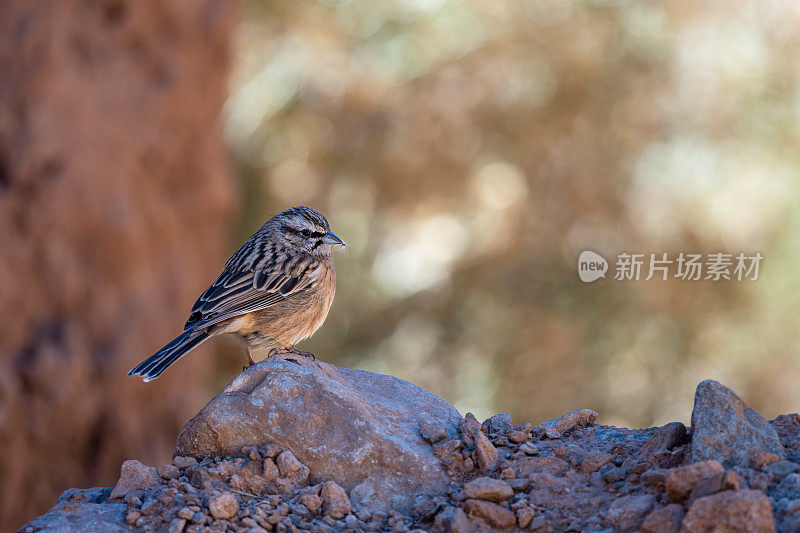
x: 331, y: 238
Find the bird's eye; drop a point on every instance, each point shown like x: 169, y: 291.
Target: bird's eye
x: 305, y: 233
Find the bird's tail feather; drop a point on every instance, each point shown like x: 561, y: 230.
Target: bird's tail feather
x: 154, y: 366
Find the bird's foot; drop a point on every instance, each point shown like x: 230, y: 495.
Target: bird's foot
x: 305, y: 354
x: 291, y: 350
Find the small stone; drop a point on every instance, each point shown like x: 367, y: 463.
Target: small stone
x: 762, y: 459
x: 628, y: 512
x: 183, y: 462
x: 288, y: 463
x: 269, y: 470
x: 529, y: 449
x: 469, y: 428
x: 656, y: 478
x: 594, y: 461
x: 618, y: 473
x: 132, y: 516
x: 133, y: 499
x: 665, y: 438
x: 781, y: 469
x: 252, y: 452
x: 500, y: 423
x: 664, y: 520
x: 485, y: 452
x: 451, y: 520
x: 519, y: 434
x: 270, y: 451
x: 224, y: 506
x: 518, y: 484
x: 485, y: 488
x: 169, y: 471
x: 525, y: 516
x: 741, y: 510
x: 680, y: 481
x: 432, y: 431
x: 558, y: 427
x: 469, y: 465
x: 134, y: 476
x: 311, y: 501
x: 727, y: 480
x: 299, y: 510
x: 496, y: 515
x: 177, y: 525
x: 508, y: 473
x: 351, y: 521
x: 185, y: 513
x: 336, y: 503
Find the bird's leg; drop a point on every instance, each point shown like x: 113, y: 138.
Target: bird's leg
x: 250, y: 361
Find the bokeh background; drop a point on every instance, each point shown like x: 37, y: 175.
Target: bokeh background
x: 467, y: 151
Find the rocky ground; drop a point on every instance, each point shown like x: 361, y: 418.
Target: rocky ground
x: 373, y: 453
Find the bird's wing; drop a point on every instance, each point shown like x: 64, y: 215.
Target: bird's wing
x: 238, y: 292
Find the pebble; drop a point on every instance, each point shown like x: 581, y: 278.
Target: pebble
x: 183, y: 462
x: 169, y: 471
x: 488, y: 489
x: 519, y: 434
x: 525, y: 516
x: 617, y: 473
x: 529, y: 449
x: 288, y: 463
x: 336, y: 503
x: 485, y: 452
x: 132, y: 516
x: 177, y: 525
x: 311, y: 501
x: 223, y: 506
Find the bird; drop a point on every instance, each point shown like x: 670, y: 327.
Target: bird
x: 273, y: 292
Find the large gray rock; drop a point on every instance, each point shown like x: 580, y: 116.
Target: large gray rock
x: 85, y: 510
x: 725, y: 428
x: 357, y: 428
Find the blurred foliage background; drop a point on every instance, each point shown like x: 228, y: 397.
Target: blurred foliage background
x: 469, y: 151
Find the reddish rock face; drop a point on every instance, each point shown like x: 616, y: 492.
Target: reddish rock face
x: 496, y: 516
x: 114, y: 205
x: 725, y: 428
x: 664, y: 520
x: 359, y: 428
x: 741, y: 510
x: 627, y: 513
x: 680, y: 481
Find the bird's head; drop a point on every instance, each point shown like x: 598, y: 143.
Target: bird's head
x: 308, y: 230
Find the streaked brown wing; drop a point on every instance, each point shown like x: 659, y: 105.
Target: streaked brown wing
x: 237, y: 293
